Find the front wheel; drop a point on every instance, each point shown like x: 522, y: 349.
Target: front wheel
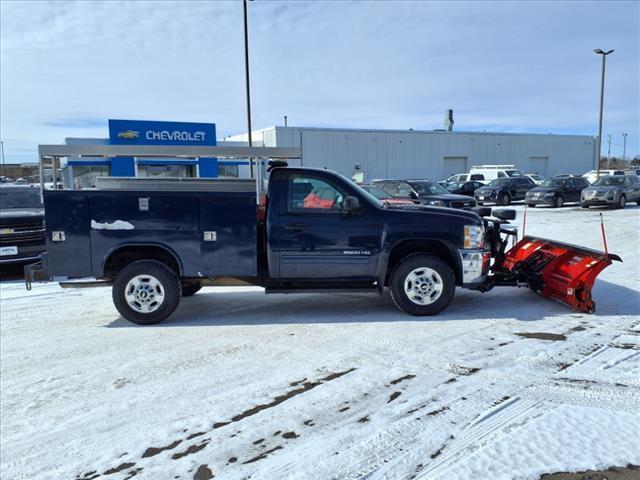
x: 531, y: 205
x: 422, y: 285
x: 146, y: 292
x: 559, y: 201
x: 504, y: 200
x: 584, y: 205
x: 622, y: 202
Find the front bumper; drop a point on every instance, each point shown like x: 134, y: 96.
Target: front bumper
x: 540, y: 200
x: 487, y: 198
x: 475, y: 267
x: 25, y: 253
x: 598, y: 201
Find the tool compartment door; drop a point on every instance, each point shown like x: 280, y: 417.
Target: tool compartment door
x: 68, y: 212
x: 228, y: 237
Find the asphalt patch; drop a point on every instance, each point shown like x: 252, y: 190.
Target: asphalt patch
x: 630, y: 472
x: 203, y: 473
x: 554, y: 337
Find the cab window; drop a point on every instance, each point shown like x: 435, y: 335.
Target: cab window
x: 310, y: 194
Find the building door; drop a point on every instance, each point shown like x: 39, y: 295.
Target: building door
x: 453, y: 165
x: 539, y: 165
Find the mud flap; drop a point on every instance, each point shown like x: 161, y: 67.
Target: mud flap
x: 557, y: 270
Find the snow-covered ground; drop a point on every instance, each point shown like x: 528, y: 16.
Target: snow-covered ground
x: 238, y: 384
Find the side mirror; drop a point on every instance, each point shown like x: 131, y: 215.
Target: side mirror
x: 413, y: 195
x: 350, y: 204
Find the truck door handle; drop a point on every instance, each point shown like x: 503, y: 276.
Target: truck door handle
x: 295, y: 227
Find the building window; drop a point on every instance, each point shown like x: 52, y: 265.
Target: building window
x: 180, y: 171
x: 228, y: 171
x: 84, y: 176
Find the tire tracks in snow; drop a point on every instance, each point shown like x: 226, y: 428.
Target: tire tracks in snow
x: 300, y: 388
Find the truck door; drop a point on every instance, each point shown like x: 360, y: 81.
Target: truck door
x: 316, y: 240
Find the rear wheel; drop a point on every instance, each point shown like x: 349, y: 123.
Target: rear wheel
x: 622, y: 202
x: 504, y: 199
x: 559, y: 201
x: 146, y: 292
x: 422, y: 285
x: 189, y: 289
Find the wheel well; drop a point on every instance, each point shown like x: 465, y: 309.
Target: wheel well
x: 432, y: 247
x: 123, y: 256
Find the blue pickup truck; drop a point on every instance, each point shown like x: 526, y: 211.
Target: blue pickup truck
x: 156, y: 241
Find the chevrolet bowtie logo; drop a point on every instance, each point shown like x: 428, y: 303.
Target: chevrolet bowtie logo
x: 129, y: 134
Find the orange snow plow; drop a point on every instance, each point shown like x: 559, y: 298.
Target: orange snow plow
x: 556, y: 270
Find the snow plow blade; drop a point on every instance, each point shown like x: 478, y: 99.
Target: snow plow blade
x: 557, y: 270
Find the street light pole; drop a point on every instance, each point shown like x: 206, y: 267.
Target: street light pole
x: 624, y: 147
x: 246, y: 71
x: 604, y: 60
x: 608, y: 151
x: 4, y: 168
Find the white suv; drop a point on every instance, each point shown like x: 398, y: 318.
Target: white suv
x: 593, y: 174
x: 491, y: 172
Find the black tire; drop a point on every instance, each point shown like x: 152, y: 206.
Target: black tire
x: 638, y: 202
x: 558, y: 201
x: 482, y: 203
x: 162, y: 274
x: 189, y: 289
x: 584, y: 205
x: 414, y: 263
x: 531, y: 205
x: 622, y: 202
x: 504, y: 199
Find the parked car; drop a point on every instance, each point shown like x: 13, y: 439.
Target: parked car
x: 565, y: 175
x: 503, y: 191
x: 425, y: 192
x: 464, y: 188
x: 465, y: 177
x: 536, y: 177
x: 593, y: 174
x: 556, y: 192
x: 491, y: 172
x: 612, y: 190
x: 384, y: 196
x: 21, y: 224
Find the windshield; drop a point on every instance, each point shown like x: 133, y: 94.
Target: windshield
x: 500, y: 182
x: 554, y: 182
x: 376, y: 192
x: 18, y: 197
x: 428, y: 188
x: 514, y: 173
x: 609, y: 181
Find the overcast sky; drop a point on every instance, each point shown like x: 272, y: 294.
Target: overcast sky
x: 513, y: 67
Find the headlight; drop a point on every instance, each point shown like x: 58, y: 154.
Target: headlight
x: 436, y: 203
x: 610, y: 195
x: 473, y: 236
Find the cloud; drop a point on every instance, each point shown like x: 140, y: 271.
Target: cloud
x: 508, y: 66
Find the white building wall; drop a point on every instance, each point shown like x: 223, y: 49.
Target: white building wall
x: 423, y: 154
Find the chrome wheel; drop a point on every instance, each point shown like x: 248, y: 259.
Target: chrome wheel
x: 144, y: 293
x: 423, y: 286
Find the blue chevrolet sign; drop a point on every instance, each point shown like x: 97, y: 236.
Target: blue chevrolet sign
x: 142, y: 132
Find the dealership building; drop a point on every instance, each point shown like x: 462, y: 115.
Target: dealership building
x: 433, y: 154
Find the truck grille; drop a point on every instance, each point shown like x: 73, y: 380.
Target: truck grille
x: 470, y: 203
x: 33, y: 232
